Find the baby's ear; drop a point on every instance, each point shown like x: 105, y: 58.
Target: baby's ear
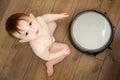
x: 31, y: 15
x: 22, y: 41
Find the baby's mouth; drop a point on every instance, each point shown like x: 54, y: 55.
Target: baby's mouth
x: 37, y: 32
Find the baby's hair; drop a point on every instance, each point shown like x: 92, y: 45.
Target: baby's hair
x: 12, y: 22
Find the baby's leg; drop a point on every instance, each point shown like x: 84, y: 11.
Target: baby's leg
x: 52, y: 27
x: 57, y: 47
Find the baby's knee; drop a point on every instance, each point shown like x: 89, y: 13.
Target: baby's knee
x: 67, y: 50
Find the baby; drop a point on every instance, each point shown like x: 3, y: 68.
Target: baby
x: 38, y: 31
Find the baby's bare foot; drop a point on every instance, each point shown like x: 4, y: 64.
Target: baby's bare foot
x: 49, y: 69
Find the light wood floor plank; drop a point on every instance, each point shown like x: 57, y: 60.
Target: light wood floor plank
x: 110, y: 69
x: 88, y: 68
x: 3, y: 7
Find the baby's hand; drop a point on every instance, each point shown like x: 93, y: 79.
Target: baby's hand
x: 64, y: 15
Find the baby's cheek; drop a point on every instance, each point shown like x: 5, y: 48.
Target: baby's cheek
x: 32, y: 37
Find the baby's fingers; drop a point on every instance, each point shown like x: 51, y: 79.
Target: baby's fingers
x: 64, y: 14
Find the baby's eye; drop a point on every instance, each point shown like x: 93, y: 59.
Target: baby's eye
x: 30, y: 23
x: 26, y: 34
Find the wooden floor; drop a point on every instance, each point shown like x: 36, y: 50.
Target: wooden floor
x: 18, y: 62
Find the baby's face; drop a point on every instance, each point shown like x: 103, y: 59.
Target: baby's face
x: 29, y: 29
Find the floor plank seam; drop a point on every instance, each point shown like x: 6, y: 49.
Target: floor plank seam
x: 101, y: 67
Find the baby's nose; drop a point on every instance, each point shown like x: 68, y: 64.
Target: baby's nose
x: 32, y: 31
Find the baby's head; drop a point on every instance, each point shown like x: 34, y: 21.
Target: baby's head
x: 23, y: 26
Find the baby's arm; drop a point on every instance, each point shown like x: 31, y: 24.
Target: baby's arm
x: 53, y: 17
